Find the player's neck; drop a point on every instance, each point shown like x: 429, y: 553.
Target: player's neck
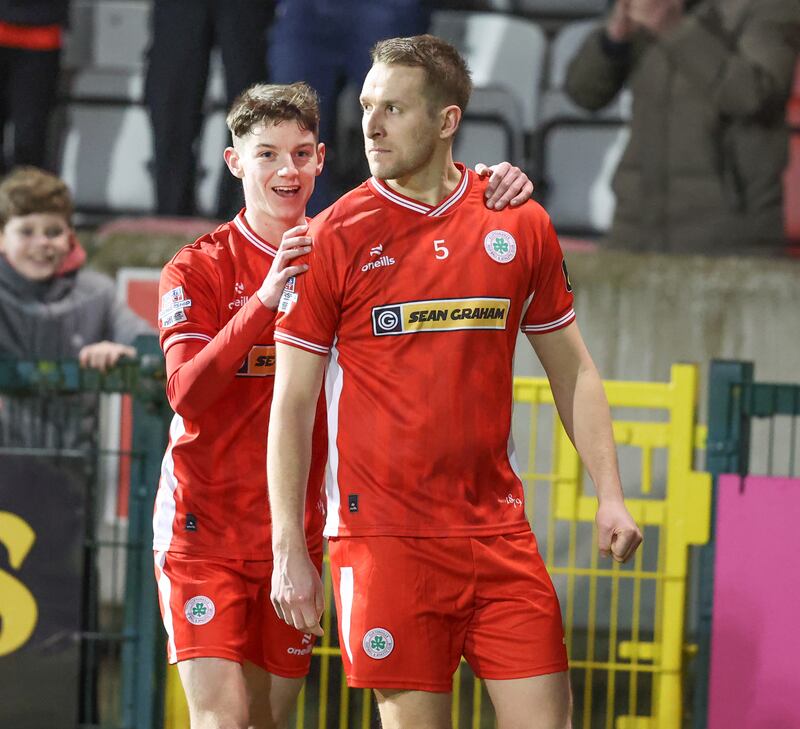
x: 430, y: 185
x: 269, y: 228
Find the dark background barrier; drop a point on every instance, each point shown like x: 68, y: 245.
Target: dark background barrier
x: 41, y: 575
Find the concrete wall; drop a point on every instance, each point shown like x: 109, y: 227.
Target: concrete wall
x: 639, y: 313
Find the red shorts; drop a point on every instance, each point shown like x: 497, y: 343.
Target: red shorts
x: 220, y: 608
x: 410, y: 608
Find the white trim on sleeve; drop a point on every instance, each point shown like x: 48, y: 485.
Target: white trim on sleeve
x: 541, y: 328
x: 301, y: 343
x: 183, y: 336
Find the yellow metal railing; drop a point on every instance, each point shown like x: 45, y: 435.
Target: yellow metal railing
x: 624, y: 625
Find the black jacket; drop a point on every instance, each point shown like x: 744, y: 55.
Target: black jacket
x: 34, y: 12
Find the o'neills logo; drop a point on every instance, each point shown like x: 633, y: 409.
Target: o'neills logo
x: 379, y: 263
x: 440, y: 315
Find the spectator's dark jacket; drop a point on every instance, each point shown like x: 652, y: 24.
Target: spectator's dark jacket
x: 702, y: 170
x: 54, y: 319
x: 34, y: 12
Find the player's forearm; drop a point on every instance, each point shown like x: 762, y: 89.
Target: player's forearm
x: 196, y: 378
x: 288, y: 463
x: 584, y: 411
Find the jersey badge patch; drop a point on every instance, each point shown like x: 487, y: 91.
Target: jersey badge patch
x: 500, y: 246
x: 288, y: 297
x: 567, y: 282
x: 173, y: 307
x: 378, y: 643
x: 199, y: 610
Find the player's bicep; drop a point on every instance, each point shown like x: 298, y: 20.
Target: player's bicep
x: 298, y: 378
x: 562, y: 353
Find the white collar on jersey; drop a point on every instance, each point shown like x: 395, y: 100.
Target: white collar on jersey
x: 262, y: 245
x: 381, y: 188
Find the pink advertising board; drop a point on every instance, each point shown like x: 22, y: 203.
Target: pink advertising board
x: 755, y: 643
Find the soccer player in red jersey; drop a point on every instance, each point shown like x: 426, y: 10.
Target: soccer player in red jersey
x: 239, y: 664
x: 414, y: 295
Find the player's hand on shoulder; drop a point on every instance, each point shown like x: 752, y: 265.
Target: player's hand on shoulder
x: 103, y: 355
x: 295, y: 243
x: 618, y: 536
x: 508, y: 185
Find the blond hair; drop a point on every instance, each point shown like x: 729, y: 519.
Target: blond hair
x: 447, y: 77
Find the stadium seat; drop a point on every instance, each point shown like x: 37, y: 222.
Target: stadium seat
x: 560, y: 8
x: 502, y: 52
x: 107, y: 153
x: 579, y: 162
x: 506, y: 56
x: 105, y: 49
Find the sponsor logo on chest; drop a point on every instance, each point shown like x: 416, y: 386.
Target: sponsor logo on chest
x: 239, y: 298
x: 378, y: 259
x: 440, y: 315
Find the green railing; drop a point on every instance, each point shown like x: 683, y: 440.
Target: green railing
x: 753, y: 428
x: 55, y: 411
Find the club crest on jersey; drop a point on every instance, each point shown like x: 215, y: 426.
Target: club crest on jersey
x: 199, y: 610
x: 173, y: 307
x: 500, y: 246
x: 440, y: 315
x: 378, y: 643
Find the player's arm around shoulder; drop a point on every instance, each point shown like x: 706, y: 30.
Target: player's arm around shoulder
x: 581, y: 401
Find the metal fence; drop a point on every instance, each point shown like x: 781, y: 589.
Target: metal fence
x: 625, y: 625
x: 79, y: 462
x: 753, y: 428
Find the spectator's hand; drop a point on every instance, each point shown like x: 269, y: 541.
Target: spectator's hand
x: 656, y: 16
x: 619, y: 27
x: 103, y: 355
x: 293, y: 244
x: 617, y: 533
x: 507, y: 185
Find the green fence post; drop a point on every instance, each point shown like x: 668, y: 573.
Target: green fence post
x: 143, y: 658
x: 727, y: 451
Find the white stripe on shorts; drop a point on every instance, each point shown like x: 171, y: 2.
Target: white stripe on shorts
x: 165, y: 588
x: 346, y: 596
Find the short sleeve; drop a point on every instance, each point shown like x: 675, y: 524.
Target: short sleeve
x: 308, y: 315
x: 551, y: 305
x: 188, y: 306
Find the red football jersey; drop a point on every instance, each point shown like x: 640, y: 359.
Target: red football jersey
x: 419, y: 307
x: 212, y: 495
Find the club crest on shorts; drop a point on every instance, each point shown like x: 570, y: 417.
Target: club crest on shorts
x: 500, y: 245
x: 199, y: 610
x: 378, y: 643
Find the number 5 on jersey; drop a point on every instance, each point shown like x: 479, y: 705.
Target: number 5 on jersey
x: 442, y: 251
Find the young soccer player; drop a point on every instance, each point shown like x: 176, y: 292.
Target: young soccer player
x: 239, y: 664
x: 414, y: 295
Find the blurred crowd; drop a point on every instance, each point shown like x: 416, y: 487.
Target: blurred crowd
x: 710, y: 82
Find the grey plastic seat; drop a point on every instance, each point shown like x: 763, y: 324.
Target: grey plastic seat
x: 579, y: 162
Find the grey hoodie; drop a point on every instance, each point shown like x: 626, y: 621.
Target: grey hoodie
x: 54, y: 319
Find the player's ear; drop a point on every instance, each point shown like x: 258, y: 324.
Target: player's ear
x: 234, y: 162
x: 450, y: 119
x: 320, y: 158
